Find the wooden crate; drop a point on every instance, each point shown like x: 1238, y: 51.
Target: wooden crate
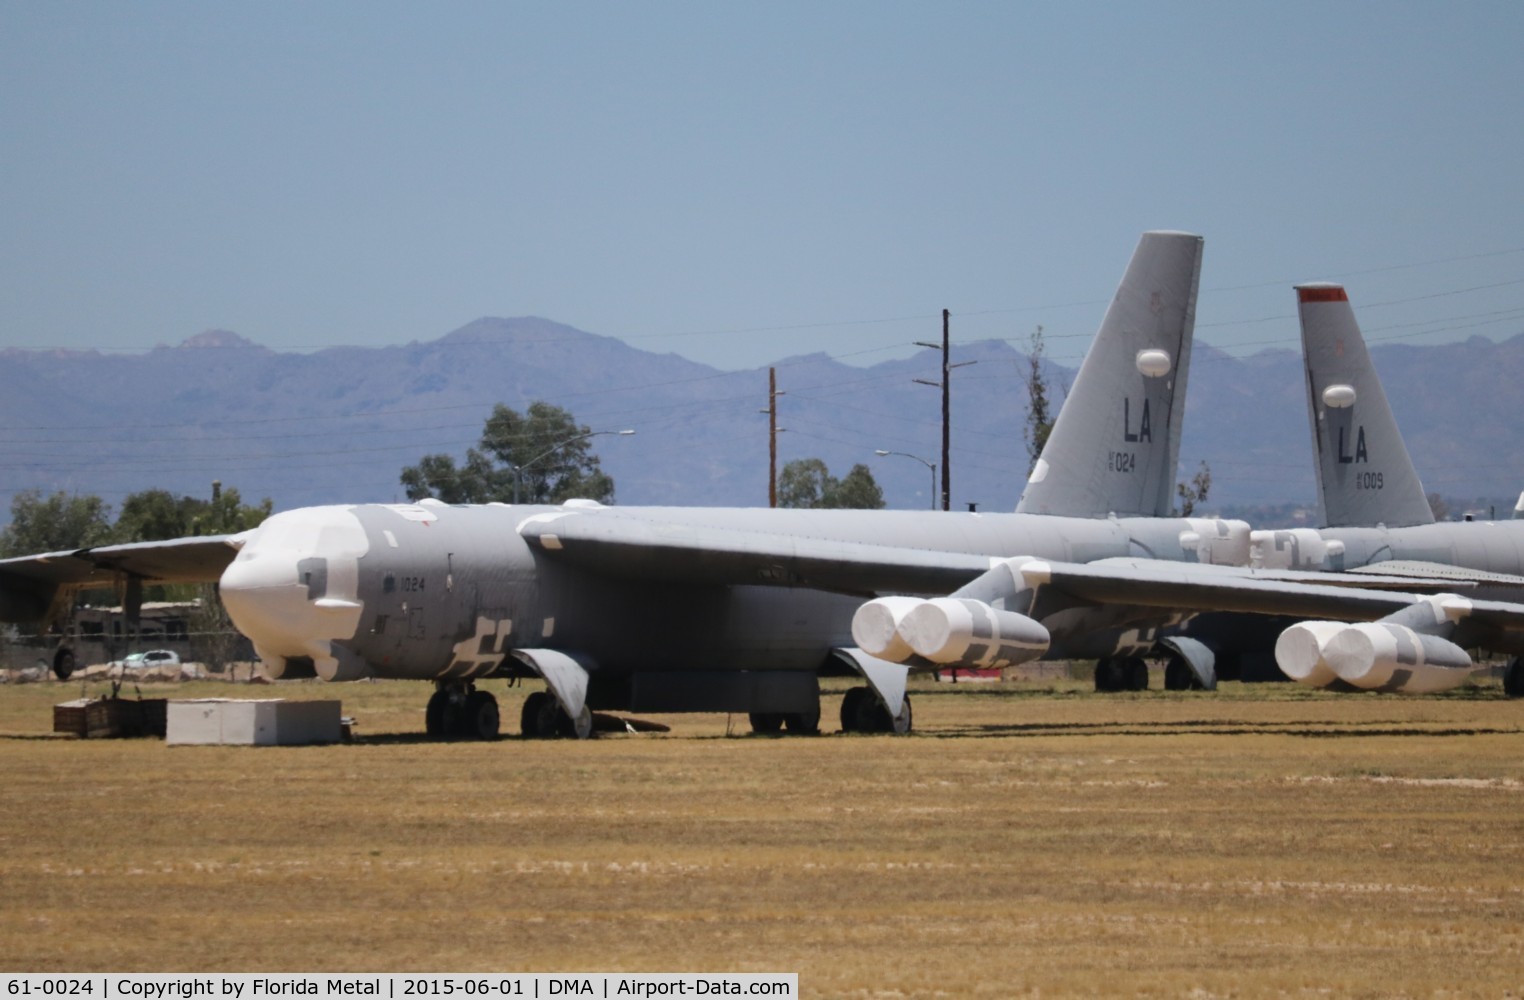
x: 97, y: 718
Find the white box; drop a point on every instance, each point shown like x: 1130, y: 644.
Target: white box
x: 251, y: 722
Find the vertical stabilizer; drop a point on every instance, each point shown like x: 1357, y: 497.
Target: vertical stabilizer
x: 1365, y: 475
x: 1117, y: 438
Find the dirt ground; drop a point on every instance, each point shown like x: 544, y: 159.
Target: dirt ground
x: 1029, y: 839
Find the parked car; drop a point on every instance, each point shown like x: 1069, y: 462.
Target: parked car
x: 150, y: 659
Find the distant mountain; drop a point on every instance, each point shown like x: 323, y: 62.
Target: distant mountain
x: 339, y: 425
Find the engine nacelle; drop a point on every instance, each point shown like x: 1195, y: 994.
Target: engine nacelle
x: 958, y: 632
x: 1217, y: 542
x: 1299, y: 652
x: 1294, y: 548
x: 876, y: 628
x: 1378, y: 655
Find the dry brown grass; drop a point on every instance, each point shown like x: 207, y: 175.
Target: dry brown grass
x: 1030, y: 839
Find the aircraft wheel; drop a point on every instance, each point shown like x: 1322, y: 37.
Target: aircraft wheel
x: 1109, y: 675
x: 580, y: 728
x: 850, y: 710
x: 900, y: 724
x: 541, y: 717
x: 766, y: 723
x: 63, y: 664
x: 481, y: 717
x: 1135, y: 672
x: 803, y: 723
x: 1178, y: 676
x: 1513, y: 677
x: 867, y: 713
x: 434, y: 715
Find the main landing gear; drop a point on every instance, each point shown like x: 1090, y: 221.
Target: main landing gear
x: 1178, y: 675
x: 543, y: 718
x: 797, y: 723
x: 457, y: 710
x: 1121, y: 673
x: 1513, y: 677
x: 862, y: 711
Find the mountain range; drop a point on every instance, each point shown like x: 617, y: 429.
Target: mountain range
x: 339, y: 425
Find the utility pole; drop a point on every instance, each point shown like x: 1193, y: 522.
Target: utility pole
x: 946, y: 386
x: 772, y: 436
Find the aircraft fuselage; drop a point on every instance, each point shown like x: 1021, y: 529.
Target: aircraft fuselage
x: 437, y: 591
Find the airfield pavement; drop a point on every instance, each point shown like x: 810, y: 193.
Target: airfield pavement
x: 1030, y: 839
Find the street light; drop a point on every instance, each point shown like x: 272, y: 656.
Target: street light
x: 930, y: 465
x: 518, y: 470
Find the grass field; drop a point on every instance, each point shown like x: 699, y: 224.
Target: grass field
x: 1029, y: 839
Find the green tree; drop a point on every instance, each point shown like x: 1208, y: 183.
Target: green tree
x: 806, y: 482
x: 858, y: 490
x: 1194, y: 494
x: 155, y: 515
x: 1039, y: 410
x: 803, y: 483
x: 54, y: 523
x: 540, y: 456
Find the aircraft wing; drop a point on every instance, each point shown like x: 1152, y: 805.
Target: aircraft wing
x: 652, y: 549
x: 1434, y: 573
x: 1194, y: 587
x: 1015, y: 611
x: 28, y: 584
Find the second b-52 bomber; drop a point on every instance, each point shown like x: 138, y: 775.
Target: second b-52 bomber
x: 742, y: 610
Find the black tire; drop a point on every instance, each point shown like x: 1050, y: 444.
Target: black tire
x: 434, y: 715
x: 802, y: 723
x: 766, y: 723
x: 482, y: 720
x: 872, y: 716
x: 63, y: 664
x: 1135, y: 673
x: 1109, y: 675
x: 849, y: 709
x: 1178, y: 675
x: 1513, y: 678
x: 541, y: 717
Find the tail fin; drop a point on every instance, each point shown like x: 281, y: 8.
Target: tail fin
x: 1365, y: 475
x: 1115, y: 443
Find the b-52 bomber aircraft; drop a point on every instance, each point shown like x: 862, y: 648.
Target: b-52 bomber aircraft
x: 742, y: 610
x: 677, y: 609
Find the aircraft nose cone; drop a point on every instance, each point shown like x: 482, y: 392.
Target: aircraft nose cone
x: 263, y: 597
x: 293, y: 589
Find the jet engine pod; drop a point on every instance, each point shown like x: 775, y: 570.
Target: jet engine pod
x: 875, y: 628
x: 1299, y: 652
x: 958, y: 632
x: 1378, y: 655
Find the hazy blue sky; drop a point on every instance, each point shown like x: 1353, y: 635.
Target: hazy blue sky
x: 741, y: 182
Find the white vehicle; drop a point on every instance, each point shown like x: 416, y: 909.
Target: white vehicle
x: 150, y: 659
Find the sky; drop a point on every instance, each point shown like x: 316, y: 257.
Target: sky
x: 743, y: 182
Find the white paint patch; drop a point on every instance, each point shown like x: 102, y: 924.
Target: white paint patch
x: 1039, y: 472
x: 268, y: 598
x: 548, y: 629
x: 483, y: 650
x: 391, y: 539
